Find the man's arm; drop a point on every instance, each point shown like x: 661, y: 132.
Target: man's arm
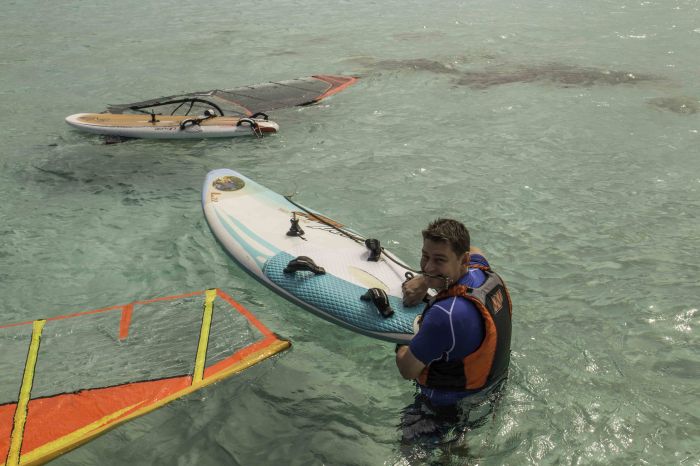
x: 409, y: 366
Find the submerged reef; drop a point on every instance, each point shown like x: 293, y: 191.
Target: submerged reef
x: 555, y: 73
x: 559, y: 74
x: 677, y: 104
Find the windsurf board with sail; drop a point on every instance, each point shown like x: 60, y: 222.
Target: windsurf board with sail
x: 313, y: 261
x: 170, y: 126
x: 65, y: 380
x: 244, y: 100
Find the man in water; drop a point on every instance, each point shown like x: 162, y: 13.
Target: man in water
x: 462, y: 346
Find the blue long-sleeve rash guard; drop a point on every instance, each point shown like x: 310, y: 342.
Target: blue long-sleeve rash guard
x: 453, y: 327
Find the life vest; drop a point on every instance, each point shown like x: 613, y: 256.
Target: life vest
x: 489, y: 363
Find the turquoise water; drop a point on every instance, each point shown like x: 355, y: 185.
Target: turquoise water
x: 565, y: 134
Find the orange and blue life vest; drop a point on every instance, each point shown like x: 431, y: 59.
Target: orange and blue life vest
x: 489, y: 362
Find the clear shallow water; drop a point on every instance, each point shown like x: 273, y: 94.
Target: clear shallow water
x: 583, y: 191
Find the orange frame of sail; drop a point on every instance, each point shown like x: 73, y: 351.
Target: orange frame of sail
x: 337, y: 84
x: 36, y: 430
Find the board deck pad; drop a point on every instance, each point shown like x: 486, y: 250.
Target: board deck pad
x: 251, y: 223
x: 340, y: 298
x: 67, y: 379
x: 108, y: 120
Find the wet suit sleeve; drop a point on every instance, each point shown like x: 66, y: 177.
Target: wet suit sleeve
x: 453, y: 328
x: 431, y: 342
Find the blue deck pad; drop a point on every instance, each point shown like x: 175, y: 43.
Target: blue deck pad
x: 339, y: 298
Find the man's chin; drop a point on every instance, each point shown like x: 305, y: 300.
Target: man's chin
x: 435, y: 283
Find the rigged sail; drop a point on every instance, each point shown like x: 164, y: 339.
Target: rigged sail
x: 243, y: 101
x: 66, y: 379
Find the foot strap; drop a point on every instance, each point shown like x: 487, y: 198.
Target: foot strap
x: 375, y: 249
x: 254, y: 127
x: 303, y: 263
x: 380, y: 300
x: 194, y: 121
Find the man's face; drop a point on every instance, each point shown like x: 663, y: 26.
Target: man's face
x: 438, y: 258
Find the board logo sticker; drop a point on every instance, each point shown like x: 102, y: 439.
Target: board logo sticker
x: 228, y: 183
x: 497, y: 301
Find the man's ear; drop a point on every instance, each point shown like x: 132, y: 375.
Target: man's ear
x: 465, y: 259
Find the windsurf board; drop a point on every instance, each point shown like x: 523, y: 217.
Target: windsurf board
x: 149, y: 126
x: 260, y: 229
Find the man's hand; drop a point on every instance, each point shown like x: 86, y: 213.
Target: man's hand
x: 414, y: 291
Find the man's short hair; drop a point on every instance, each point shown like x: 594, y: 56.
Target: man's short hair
x: 450, y: 231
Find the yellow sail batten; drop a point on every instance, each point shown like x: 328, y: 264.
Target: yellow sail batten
x: 24, y: 395
x: 204, y: 336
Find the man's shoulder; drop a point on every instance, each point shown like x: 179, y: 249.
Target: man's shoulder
x: 453, y: 305
x: 477, y: 259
